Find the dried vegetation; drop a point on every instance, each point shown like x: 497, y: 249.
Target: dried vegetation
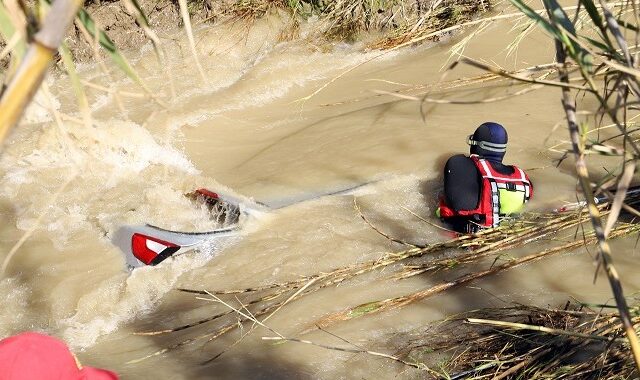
x: 475, y: 256
x: 394, y: 21
x: 574, y: 342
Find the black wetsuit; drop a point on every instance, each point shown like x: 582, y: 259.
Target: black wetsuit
x: 463, y: 187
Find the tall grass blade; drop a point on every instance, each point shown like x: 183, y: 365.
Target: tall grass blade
x: 37, y: 59
x: 78, y: 88
x: 621, y: 193
x: 184, y: 11
x: 597, y: 44
x: 533, y: 15
x: 107, y: 44
x: 8, y: 31
x: 627, y: 25
x: 559, y: 17
x: 604, y: 249
x: 134, y: 7
x: 614, y: 28
x: 592, y: 10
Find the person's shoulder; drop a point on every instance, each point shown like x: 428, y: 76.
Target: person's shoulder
x: 459, y: 159
x: 460, y: 164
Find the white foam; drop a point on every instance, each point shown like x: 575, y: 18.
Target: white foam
x: 120, y: 300
x: 38, y: 109
x: 144, y: 177
x: 13, y: 306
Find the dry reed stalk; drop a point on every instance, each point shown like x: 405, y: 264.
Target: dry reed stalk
x: 526, y: 342
x: 35, y: 226
x: 272, y: 297
x: 387, y: 236
x: 397, y: 302
x: 27, y: 79
x: 186, y: 20
x: 421, y: 90
x: 280, y: 337
x: 546, y: 330
x: 487, y: 248
x: 94, y: 42
x: 604, y: 250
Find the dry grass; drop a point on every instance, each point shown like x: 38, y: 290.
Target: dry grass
x: 574, y: 342
x: 398, y: 21
x: 463, y: 252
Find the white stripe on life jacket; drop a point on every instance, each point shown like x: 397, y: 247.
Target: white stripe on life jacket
x: 490, y: 174
x: 486, y: 168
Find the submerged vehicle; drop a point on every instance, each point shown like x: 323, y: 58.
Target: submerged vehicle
x: 150, y: 245
x: 145, y: 245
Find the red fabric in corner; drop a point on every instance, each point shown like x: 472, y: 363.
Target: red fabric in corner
x: 34, y: 356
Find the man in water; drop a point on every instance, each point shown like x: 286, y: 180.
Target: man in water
x: 479, y: 190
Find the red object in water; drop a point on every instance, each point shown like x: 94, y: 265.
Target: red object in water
x: 34, y: 356
x: 207, y: 193
x: 142, y: 251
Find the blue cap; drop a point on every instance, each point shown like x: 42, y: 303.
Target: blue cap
x: 489, y: 141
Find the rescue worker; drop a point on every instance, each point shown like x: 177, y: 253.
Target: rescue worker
x: 479, y: 190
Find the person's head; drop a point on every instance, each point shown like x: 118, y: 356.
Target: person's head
x: 489, y: 141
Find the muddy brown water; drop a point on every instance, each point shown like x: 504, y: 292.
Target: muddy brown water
x: 254, y: 129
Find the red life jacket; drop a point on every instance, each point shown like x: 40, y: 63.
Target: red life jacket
x: 492, y: 182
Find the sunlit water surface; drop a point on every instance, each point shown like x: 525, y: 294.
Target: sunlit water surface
x: 277, y: 122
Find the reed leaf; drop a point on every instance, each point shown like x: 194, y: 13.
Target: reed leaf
x: 604, y: 250
x: 184, y: 11
x: 109, y: 46
x: 592, y: 10
x: 534, y: 16
x: 8, y: 30
x: 596, y: 43
x: 28, y: 77
x: 614, y: 28
x: 134, y: 7
x: 627, y: 25
x: 78, y: 88
x: 559, y: 17
x: 618, y: 201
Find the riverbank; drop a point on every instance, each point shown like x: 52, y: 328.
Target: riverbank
x: 391, y: 22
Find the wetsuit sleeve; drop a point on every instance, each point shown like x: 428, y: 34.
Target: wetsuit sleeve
x: 462, y: 183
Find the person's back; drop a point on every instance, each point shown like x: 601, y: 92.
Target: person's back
x: 479, y: 189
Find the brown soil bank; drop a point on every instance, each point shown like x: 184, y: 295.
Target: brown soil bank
x: 397, y: 21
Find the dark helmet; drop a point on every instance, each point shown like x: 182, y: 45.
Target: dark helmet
x: 489, y: 141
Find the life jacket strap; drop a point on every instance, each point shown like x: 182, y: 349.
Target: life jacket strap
x: 511, y: 186
x: 495, y: 203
